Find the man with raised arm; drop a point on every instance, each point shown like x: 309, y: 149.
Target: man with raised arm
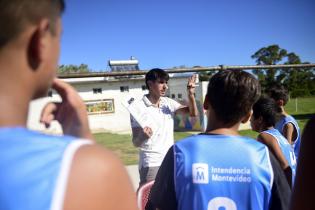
x: 155, y: 141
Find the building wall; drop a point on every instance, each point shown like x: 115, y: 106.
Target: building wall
x: 178, y: 91
x: 117, y: 119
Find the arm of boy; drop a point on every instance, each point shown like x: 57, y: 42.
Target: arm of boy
x: 280, y: 192
x: 70, y: 113
x: 272, y: 145
x: 192, y: 105
x: 98, y: 180
x: 288, y: 132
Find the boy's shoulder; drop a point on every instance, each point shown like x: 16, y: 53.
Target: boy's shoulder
x: 285, y: 120
x: 205, y: 138
x: 23, y: 136
x: 289, y: 119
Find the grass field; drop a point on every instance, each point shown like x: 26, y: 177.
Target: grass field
x: 301, y: 106
x: 301, y: 109
x: 122, y: 145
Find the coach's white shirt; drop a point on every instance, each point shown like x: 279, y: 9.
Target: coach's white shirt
x: 153, y: 150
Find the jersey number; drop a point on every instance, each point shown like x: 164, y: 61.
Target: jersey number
x: 221, y: 202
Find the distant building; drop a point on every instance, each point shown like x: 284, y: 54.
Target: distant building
x: 103, y: 97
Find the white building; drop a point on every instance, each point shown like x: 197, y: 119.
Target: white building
x: 103, y: 97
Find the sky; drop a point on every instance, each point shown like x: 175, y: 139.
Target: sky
x: 172, y: 33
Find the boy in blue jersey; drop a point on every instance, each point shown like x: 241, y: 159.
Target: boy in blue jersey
x: 263, y: 120
x: 286, y: 125
x: 39, y: 171
x: 219, y: 168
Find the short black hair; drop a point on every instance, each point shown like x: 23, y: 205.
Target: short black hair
x: 16, y: 15
x: 279, y: 92
x: 268, y: 109
x: 232, y: 93
x: 155, y: 74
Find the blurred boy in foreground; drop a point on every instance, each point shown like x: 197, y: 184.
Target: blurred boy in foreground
x: 41, y: 171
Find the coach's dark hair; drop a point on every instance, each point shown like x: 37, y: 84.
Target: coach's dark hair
x: 155, y: 74
x: 268, y: 109
x: 16, y: 15
x: 232, y: 93
x: 279, y: 92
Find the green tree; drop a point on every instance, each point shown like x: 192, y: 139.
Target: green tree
x: 67, y: 69
x: 205, y: 75
x: 299, y: 81
x: 270, y: 55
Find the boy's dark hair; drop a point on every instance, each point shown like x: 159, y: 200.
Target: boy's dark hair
x: 155, y: 74
x: 232, y: 93
x: 268, y: 109
x: 16, y: 15
x: 279, y: 92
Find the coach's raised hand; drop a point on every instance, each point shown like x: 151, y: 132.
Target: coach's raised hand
x: 70, y: 112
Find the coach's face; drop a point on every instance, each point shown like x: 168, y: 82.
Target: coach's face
x: 158, y: 87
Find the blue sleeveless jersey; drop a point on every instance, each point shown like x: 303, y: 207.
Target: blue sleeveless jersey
x: 222, y: 172
x: 286, y: 149
x: 30, y: 163
x: 289, y: 119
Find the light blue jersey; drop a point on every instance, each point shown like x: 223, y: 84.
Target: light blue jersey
x: 222, y: 172
x: 30, y: 164
x: 279, y: 126
x: 286, y: 149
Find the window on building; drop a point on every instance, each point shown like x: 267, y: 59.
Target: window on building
x: 179, y: 95
x: 124, y: 88
x: 144, y: 87
x: 173, y: 96
x: 97, y: 90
